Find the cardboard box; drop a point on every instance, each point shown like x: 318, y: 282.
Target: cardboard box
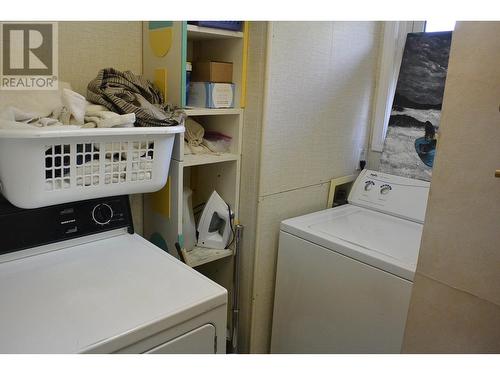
x: 212, y: 71
x: 211, y: 95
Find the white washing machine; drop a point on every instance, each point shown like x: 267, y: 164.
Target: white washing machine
x: 344, y: 275
x: 74, y: 278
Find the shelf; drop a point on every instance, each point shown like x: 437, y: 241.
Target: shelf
x: 202, y: 33
x: 202, y: 255
x: 200, y: 159
x: 190, y: 111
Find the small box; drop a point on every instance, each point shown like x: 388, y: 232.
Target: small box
x: 212, y: 71
x: 211, y: 95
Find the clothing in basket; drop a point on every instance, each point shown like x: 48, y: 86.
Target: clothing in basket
x: 125, y: 92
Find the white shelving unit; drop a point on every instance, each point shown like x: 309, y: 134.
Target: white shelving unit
x: 191, y: 160
x: 202, y: 173
x: 163, y: 210
x: 200, y: 255
x: 195, y: 32
x: 191, y: 111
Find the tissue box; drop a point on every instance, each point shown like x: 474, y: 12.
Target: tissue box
x: 211, y: 95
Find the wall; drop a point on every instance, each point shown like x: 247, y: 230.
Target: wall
x: 455, y: 305
x: 250, y: 157
x: 86, y: 47
x: 319, y: 88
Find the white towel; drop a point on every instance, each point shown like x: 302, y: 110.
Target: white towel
x: 97, y: 116
x: 55, y: 108
x: 73, y: 109
x: 17, y: 118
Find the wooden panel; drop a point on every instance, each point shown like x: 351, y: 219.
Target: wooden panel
x: 459, y: 257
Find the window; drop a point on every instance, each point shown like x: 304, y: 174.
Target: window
x: 393, y: 43
x: 439, y: 25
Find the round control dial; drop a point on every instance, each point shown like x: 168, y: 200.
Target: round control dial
x: 102, y: 214
x: 385, y: 189
x: 369, y: 185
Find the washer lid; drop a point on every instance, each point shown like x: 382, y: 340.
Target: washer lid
x: 377, y: 239
x: 105, y: 294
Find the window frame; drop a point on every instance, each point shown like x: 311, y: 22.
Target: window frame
x: 393, y: 42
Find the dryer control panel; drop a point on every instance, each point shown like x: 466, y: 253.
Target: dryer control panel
x: 394, y: 195
x: 22, y: 228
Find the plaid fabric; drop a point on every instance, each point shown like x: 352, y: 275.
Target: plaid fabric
x: 125, y: 92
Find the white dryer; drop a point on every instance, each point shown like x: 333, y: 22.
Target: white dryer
x: 74, y: 278
x: 344, y: 275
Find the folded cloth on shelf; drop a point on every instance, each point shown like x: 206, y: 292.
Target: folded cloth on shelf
x: 125, y: 92
x: 193, y: 136
x: 217, y: 142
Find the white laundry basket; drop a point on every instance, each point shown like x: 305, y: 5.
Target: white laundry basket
x: 42, y: 167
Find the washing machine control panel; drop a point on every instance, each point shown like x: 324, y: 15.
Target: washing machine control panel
x: 369, y: 184
x: 41, y: 226
x: 399, y: 196
x: 385, y: 189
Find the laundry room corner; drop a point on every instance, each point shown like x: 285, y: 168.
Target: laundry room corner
x: 261, y: 186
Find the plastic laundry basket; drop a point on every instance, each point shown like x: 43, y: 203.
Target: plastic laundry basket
x: 42, y: 167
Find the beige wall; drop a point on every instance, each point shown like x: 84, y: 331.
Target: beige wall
x: 320, y: 79
x: 86, y: 47
x: 455, y: 305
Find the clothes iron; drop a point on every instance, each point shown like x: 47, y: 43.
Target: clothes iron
x: 214, y: 227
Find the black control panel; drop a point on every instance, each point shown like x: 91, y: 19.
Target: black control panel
x: 21, y: 228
